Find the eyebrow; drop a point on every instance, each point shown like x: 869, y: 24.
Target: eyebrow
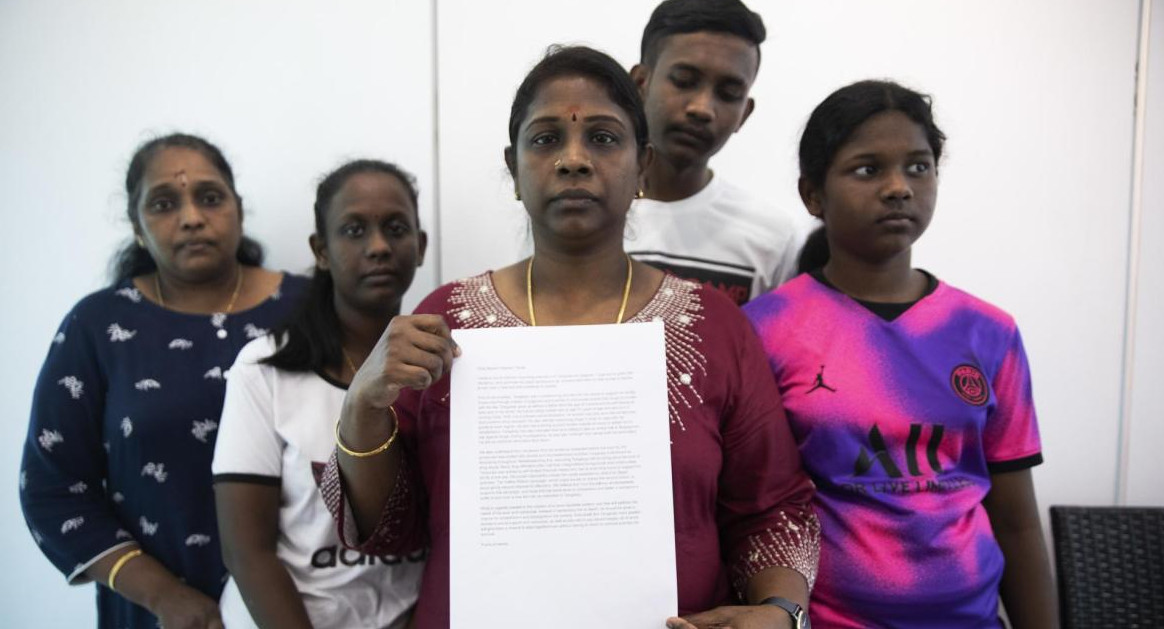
x: 917, y: 153
x: 686, y: 67
x: 593, y: 118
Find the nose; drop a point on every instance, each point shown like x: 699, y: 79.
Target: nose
x: 378, y: 245
x: 896, y: 187
x: 190, y: 216
x: 701, y: 106
x: 574, y: 159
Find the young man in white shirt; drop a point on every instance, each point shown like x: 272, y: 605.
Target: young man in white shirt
x: 699, y: 60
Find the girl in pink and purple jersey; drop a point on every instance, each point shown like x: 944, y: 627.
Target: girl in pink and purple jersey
x: 910, y: 400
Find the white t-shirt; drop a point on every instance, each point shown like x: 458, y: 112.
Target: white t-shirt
x: 276, y: 427
x: 721, y: 236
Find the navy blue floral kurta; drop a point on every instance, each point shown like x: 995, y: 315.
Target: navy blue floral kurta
x: 124, y: 419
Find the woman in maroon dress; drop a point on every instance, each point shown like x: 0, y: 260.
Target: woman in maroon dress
x: 578, y: 151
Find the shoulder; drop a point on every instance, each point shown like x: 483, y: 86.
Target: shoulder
x: 258, y: 350
x: 97, y: 307
x: 291, y: 287
x: 755, y: 212
x: 111, y: 297
x: 801, y: 289
x: 968, y: 305
x: 455, y: 294
x: 686, y: 305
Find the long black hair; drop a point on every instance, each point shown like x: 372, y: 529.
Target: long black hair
x: 133, y: 259
x: 835, y: 120
x: 312, y: 337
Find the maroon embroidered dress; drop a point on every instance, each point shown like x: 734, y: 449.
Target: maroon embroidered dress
x: 741, y: 498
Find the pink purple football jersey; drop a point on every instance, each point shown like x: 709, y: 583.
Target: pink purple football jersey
x: 900, y: 423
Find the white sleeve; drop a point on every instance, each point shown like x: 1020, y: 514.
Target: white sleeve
x: 787, y: 259
x: 248, y: 442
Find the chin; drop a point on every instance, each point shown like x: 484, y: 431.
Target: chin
x: 202, y: 269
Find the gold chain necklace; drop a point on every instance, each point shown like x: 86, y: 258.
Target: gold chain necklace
x: 229, y: 306
x: 348, y: 358
x: 529, y: 290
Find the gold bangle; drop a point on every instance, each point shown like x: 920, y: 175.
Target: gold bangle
x: 382, y: 447
x: 120, y: 563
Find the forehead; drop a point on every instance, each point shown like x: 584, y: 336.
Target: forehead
x: 371, y: 191
x: 887, y: 132
x: 172, y: 162
x: 564, y: 96
x: 720, y: 54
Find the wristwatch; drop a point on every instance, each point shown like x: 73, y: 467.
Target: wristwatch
x: 799, y: 616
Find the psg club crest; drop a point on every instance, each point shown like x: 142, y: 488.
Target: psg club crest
x: 970, y: 385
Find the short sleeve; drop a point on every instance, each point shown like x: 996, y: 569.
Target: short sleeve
x: 1011, y: 437
x: 786, y: 258
x: 64, y: 466
x: 249, y: 448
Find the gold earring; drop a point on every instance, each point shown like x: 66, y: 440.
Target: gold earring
x: 640, y: 194
x: 517, y: 195
x: 139, y: 241
x: 558, y: 164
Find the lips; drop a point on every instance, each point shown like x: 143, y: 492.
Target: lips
x: 196, y: 244
x: 379, y: 274
x: 575, y: 194
x: 574, y: 199
x: 895, y: 217
x: 688, y: 134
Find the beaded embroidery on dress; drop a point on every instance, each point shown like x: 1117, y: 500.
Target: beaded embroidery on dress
x: 474, y: 303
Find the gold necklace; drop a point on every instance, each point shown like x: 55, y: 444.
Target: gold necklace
x: 348, y: 358
x: 229, y: 306
x: 529, y: 290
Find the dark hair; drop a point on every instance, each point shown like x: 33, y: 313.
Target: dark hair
x: 836, y: 118
x: 833, y: 122
x: 312, y: 332
x: 674, y: 17
x: 815, y: 252
x: 581, y: 61
x: 133, y: 260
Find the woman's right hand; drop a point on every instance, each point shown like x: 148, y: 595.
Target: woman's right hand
x: 414, y: 351
x: 180, y: 606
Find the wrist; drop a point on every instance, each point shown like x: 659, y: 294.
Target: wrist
x: 363, y: 427
x: 791, y: 613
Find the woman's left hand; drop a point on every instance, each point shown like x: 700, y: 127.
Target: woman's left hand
x: 735, y: 617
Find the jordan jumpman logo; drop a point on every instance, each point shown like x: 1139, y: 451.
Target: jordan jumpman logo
x: 820, y: 383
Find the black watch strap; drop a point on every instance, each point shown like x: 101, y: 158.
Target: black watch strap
x: 799, y: 616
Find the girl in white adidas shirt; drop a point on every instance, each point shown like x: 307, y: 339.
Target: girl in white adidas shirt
x: 288, y: 568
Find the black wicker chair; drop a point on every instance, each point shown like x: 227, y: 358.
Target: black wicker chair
x: 1110, y: 563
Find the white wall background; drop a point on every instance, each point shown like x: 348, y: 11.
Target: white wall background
x: 1037, y: 98
x: 1146, y: 430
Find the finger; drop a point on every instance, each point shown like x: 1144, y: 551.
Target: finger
x: 435, y: 324
x: 410, y: 376
x: 679, y: 623
x: 710, y: 618
x: 414, y: 358
x: 437, y: 345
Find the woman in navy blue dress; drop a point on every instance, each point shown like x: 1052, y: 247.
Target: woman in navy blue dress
x: 115, y: 482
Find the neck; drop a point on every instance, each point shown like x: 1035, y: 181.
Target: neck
x: 580, y: 275
x: 361, y: 330
x: 205, y: 296
x: 667, y: 181
x: 571, y: 289
x: 889, y: 281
